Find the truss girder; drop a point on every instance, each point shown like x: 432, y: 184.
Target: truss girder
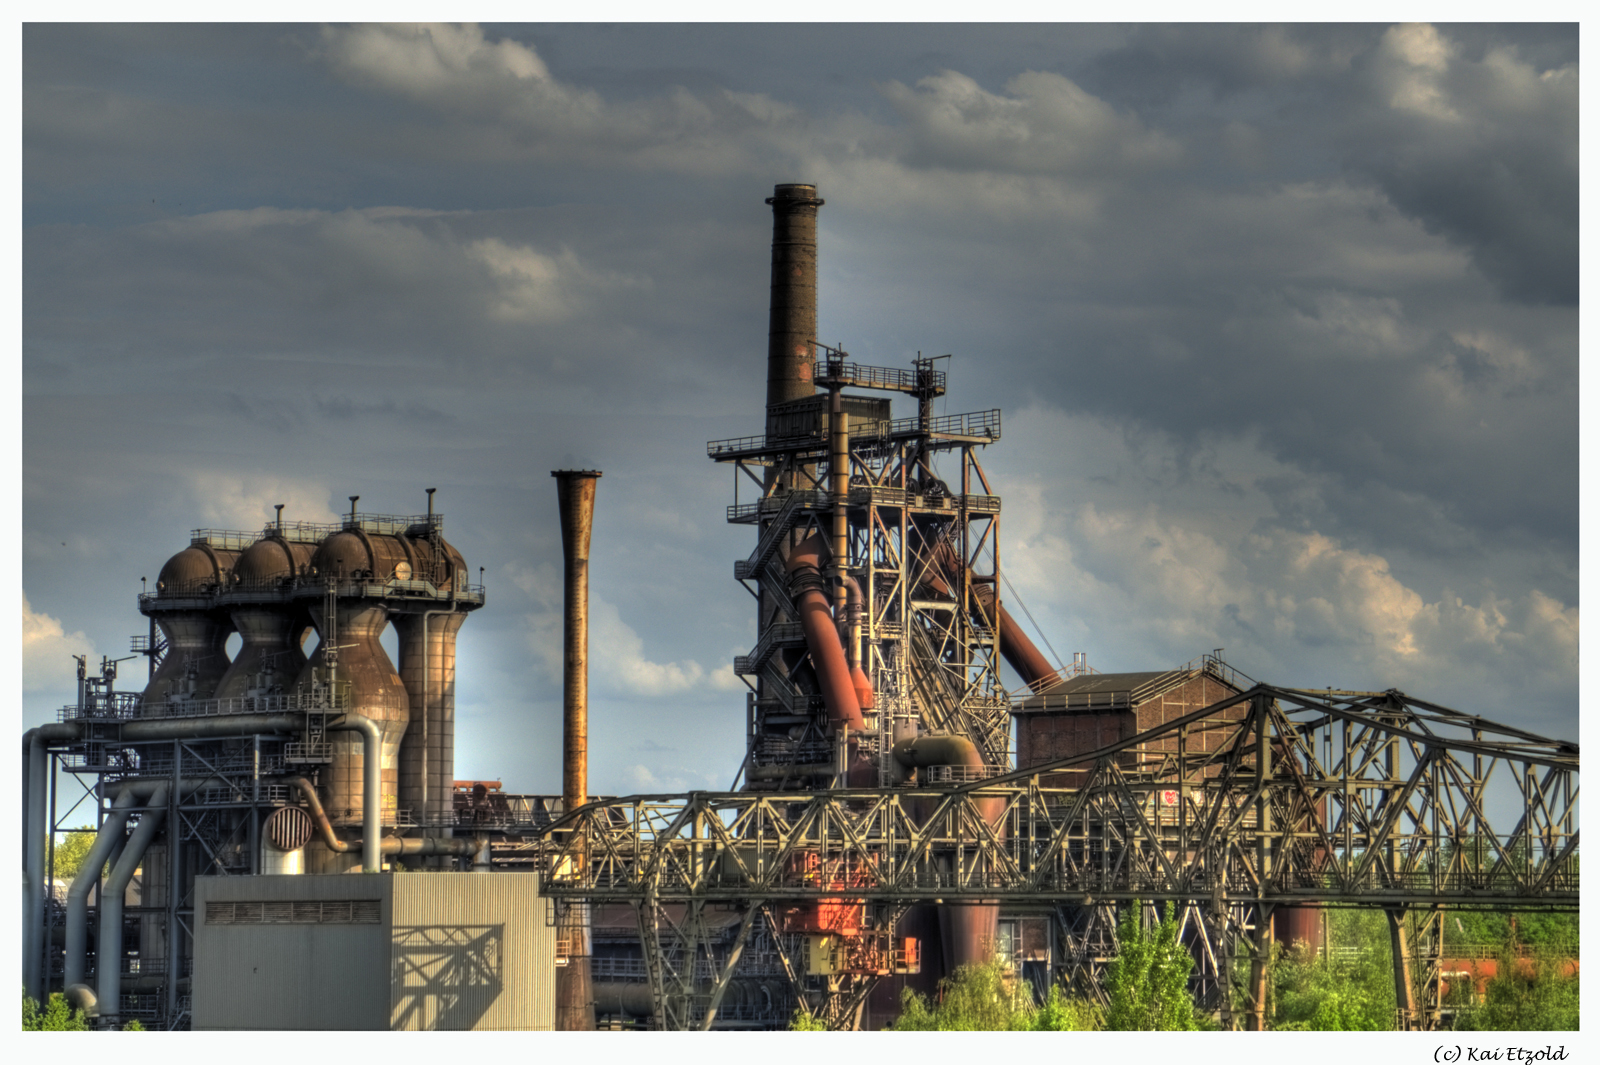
x: 1392, y: 814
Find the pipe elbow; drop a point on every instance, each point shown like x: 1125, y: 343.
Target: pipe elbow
x: 925, y: 751
x: 81, y: 996
x: 807, y: 552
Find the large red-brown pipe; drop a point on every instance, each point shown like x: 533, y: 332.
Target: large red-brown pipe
x: 1031, y: 665
x: 1024, y: 657
x: 858, y: 676
x: 807, y: 588
x: 575, y: 488
x: 967, y: 932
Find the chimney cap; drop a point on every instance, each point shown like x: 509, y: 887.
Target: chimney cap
x: 796, y: 194
x: 576, y: 473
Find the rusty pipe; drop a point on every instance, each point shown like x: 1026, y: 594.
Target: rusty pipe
x: 858, y: 676
x: 1015, y: 647
x: 575, y: 490
x: 966, y: 931
x: 1022, y: 654
x: 391, y: 845
x: 816, y: 618
x: 839, y: 478
x: 792, y: 325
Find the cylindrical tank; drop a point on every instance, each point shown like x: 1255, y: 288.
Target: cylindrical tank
x: 793, y: 321
x: 196, y: 636
x: 274, y: 632
x: 364, y: 672
x: 428, y: 669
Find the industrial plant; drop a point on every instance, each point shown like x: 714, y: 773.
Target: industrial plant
x: 899, y: 812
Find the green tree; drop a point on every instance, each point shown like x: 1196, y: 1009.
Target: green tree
x: 1347, y: 993
x: 71, y: 850
x: 806, y: 1022
x: 1148, y: 983
x: 983, y: 998
x: 1534, y: 996
x: 57, y: 1016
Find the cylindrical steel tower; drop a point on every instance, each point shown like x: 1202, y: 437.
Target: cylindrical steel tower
x: 374, y: 690
x: 793, y: 326
x: 428, y: 668
x: 575, y: 488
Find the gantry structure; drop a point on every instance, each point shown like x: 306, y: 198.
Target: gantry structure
x: 1271, y: 799
x: 839, y: 466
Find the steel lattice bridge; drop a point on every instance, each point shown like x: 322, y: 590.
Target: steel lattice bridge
x: 1272, y: 798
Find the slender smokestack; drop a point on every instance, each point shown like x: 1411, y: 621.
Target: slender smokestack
x: 574, y: 990
x: 793, y: 329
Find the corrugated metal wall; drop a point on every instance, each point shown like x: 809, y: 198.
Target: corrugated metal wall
x: 280, y: 974
x: 437, y: 951
x: 471, y: 952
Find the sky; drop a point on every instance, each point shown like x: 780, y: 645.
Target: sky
x: 1283, y: 322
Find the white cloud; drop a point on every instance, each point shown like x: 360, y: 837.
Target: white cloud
x: 47, y: 650
x: 1044, y: 124
x: 1146, y: 558
x: 617, y: 661
x: 246, y: 500
x: 436, y: 64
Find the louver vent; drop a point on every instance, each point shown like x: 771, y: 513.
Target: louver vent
x: 329, y: 911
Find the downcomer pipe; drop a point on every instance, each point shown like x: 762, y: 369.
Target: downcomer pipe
x: 77, y: 934
x: 108, y: 944
x: 575, y: 492
x: 822, y: 637
x: 1021, y: 652
x: 967, y: 931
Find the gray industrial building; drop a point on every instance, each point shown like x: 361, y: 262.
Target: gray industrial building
x: 439, y: 952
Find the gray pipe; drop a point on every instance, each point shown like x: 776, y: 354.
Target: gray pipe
x: 35, y: 827
x: 372, y: 797
x: 81, y: 996
x: 193, y: 728
x: 145, y: 787
x: 77, y: 938
x: 108, y: 950
x: 35, y: 837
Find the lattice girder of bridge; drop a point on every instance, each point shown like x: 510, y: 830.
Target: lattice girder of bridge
x: 1274, y: 797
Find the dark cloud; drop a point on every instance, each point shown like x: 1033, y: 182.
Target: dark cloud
x: 1280, y: 318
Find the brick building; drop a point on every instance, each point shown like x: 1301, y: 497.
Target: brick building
x: 1092, y: 710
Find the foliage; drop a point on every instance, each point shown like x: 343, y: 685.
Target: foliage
x: 1062, y: 1014
x: 982, y: 998
x: 1148, y: 982
x: 806, y: 1022
x: 1531, y: 997
x: 57, y: 1016
x: 1348, y: 993
x: 71, y: 850
x: 133, y: 1026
